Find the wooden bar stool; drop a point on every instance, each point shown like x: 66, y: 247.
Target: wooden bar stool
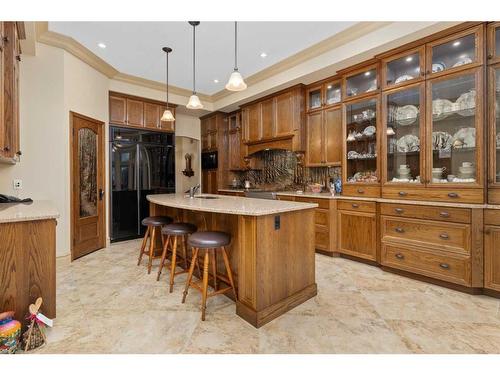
x: 211, y: 242
x: 154, y: 224
x: 175, y: 232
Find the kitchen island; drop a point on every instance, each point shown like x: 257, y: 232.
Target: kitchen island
x: 271, y: 252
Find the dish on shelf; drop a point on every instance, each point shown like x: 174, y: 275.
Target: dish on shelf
x: 498, y: 140
x: 372, y: 87
x: 352, y: 155
x: 351, y: 137
x: 415, y: 180
x: 367, y: 176
x: 352, y: 91
x: 466, y: 103
x: 465, y: 60
x: 441, y: 108
x: 404, y: 77
x: 438, y: 67
x: 369, y: 131
x: 464, y: 138
x: 441, y: 141
x: 358, y: 135
x: 406, y: 115
x: 408, y: 143
x: 390, y: 131
x: 335, y: 98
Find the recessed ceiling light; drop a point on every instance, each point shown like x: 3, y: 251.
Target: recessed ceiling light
x: 263, y: 55
x: 367, y: 73
x: 409, y: 58
x: 456, y: 44
x: 216, y: 81
x: 101, y: 45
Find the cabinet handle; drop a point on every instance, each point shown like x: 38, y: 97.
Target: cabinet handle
x: 444, y: 214
x: 444, y: 236
x: 361, y: 191
x: 399, y: 210
x: 444, y: 266
x: 453, y: 195
x: 355, y: 205
x: 403, y: 193
x: 399, y: 256
x: 399, y: 230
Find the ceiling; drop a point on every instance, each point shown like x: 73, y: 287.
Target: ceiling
x: 135, y: 47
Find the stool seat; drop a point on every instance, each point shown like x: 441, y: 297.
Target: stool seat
x: 209, y: 240
x: 178, y: 229
x: 156, y: 220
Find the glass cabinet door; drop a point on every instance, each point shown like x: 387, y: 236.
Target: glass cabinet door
x: 361, y: 83
x: 404, y: 122
x: 455, y: 52
x: 333, y: 93
x: 361, y: 142
x: 495, y: 122
x: 494, y: 42
x: 403, y: 69
x: 454, y: 141
x: 314, y: 98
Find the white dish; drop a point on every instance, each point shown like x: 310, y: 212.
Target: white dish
x: 372, y: 87
x: 466, y: 103
x: 464, y: 61
x: 408, y: 143
x: 441, y: 141
x: 406, y: 115
x: 465, y: 136
x: 352, y: 155
x: 369, y: 131
x: 498, y: 140
x: 438, y: 67
x: 441, y: 108
x: 403, y: 78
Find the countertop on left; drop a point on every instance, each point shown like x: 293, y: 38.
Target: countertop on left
x: 37, y: 210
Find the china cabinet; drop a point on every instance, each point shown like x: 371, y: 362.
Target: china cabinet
x: 493, y: 44
x: 455, y: 52
x: 361, y: 147
x: 360, y: 82
x: 403, y: 68
x: 324, y: 94
x: 494, y: 134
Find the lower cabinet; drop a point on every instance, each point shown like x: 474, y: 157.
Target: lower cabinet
x: 209, y: 181
x: 492, y: 250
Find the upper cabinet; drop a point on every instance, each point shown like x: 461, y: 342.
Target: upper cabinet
x: 139, y: 112
x: 235, y: 148
x: 213, y: 129
x: 328, y: 93
x: 361, y: 82
x: 323, y: 144
x: 494, y: 133
x: 403, y: 68
x: 493, y: 44
x: 456, y: 52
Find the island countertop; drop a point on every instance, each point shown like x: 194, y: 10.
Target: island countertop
x: 37, y: 210
x: 229, y: 205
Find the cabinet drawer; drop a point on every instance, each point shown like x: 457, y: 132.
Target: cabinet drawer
x: 492, y: 217
x: 322, y: 203
x: 444, y: 236
x: 457, y: 215
x: 451, y: 268
x: 431, y: 194
x: 354, y: 205
x: 286, y: 198
x: 322, y: 238
x: 361, y: 191
x: 322, y: 217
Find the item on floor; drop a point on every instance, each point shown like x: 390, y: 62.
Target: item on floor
x: 11, y: 199
x: 10, y: 331
x: 35, y: 337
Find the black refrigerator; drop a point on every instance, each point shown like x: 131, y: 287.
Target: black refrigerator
x: 141, y: 162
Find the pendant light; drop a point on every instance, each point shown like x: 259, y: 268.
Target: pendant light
x: 167, y: 115
x: 194, y: 101
x: 236, y: 82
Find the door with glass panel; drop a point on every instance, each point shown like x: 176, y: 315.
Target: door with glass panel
x: 494, y: 134
x: 493, y: 43
x: 87, y: 185
x: 404, y: 136
x: 455, y: 134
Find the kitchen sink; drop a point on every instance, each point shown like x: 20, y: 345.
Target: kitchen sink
x: 206, y: 197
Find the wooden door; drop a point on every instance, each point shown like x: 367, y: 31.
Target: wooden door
x: 253, y: 123
x: 267, y: 118
x: 152, y: 115
x: 117, y: 110
x: 88, y: 230
x: 212, y: 181
x: 357, y: 233
x: 234, y: 149
x: 332, y: 138
x: 135, y: 112
x: 213, y: 140
x: 9, y: 126
x: 492, y: 257
x: 285, y: 120
x: 314, y: 148
x: 493, y: 43
x: 205, y: 188
x: 2, y: 123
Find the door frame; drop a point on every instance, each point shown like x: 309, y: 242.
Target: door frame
x: 102, y: 145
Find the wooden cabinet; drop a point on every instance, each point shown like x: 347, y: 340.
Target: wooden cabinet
x: 494, y: 134
x: 324, y: 94
x: 361, y: 80
x: 492, y: 250
x: 314, y: 139
x: 209, y: 181
x: 267, y: 119
x: 284, y: 108
x: 357, y: 234
x: 323, y: 144
x: 252, y: 123
x: 493, y: 43
x: 210, y: 130
x: 403, y: 68
x: 234, y: 145
x: 132, y: 111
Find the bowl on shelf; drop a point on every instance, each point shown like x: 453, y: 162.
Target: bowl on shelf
x: 316, y: 188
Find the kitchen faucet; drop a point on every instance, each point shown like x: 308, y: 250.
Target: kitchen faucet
x: 192, y: 190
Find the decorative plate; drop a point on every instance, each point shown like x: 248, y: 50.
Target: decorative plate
x: 352, y: 155
x: 441, y: 108
x: 465, y: 60
x: 467, y: 103
x: 406, y: 115
x: 369, y: 131
x: 438, y: 67
x: 408, y: 143
x: 441, y: 141
x: 405, y: 77
x: 368, y: 114
x: 464, y: 138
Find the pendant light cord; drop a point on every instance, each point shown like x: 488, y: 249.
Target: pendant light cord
x: 194, y: 59
x: 167, y: 80
x: 235, y: 45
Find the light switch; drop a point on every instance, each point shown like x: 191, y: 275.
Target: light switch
x: 17, y: 184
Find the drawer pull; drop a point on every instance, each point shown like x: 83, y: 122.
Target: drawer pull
x: 399, y: 210
x: 453, y: 195
x: 399, y: 230
x: 403, y: 193
x: 355, y: 205
x: 444, y: 236
x: 444, y: 266
x: 444, y: 214
x: 399, y: 256
x: 361, y: 191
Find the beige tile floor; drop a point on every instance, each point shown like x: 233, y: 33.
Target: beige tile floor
x: 107, y: 304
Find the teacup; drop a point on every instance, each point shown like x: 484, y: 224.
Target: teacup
x: 404, y: 166
x: 466, y: 164
x: 450, y: 177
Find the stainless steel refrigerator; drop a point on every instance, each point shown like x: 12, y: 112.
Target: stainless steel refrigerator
x: 141, y: 162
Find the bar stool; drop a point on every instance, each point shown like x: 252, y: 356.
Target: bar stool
x: 154, y: 224
x: 174, y: 233
x: 211, y: 242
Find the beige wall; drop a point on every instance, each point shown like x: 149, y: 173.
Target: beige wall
x: 183, y: 146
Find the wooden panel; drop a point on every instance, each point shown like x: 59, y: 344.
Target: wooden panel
x: 434, y: 194
x: 439, y: 235
x: 357, y: 234
x: 492, y: 217
x: 234, y: 155
x: 267, y: 115
x: 457, y: 215
x: 322, y: 238
x: 321, y: 202
x: 9, y: 124
x: 493, y: 55
x: 286, y: 198
x: 151, y: 115
x: 355, y: 205
x: 135, y: 112
x: 117, y: 110
x: 361, y: 190
x: 285, y: 120
x: 332, y: 136
x: 322, y: 217
x: 314, y: 137
x: 253, y: 123
x: 492, y: 257
x: 447, y: 267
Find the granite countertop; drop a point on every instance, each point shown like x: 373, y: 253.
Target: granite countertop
x: 37, y: 210
x: 229, y: 205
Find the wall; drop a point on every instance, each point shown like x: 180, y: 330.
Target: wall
x: 184, y: 145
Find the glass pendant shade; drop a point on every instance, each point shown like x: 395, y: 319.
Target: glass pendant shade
x: 167, y: 116
x: 194, y: 102
x: 236, y: 82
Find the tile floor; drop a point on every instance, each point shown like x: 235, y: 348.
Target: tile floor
x: 107, y: 304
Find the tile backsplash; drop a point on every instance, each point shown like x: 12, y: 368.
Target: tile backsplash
x: 279, y: 170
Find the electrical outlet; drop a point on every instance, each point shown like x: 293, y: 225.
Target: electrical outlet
x: 17, y: 184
